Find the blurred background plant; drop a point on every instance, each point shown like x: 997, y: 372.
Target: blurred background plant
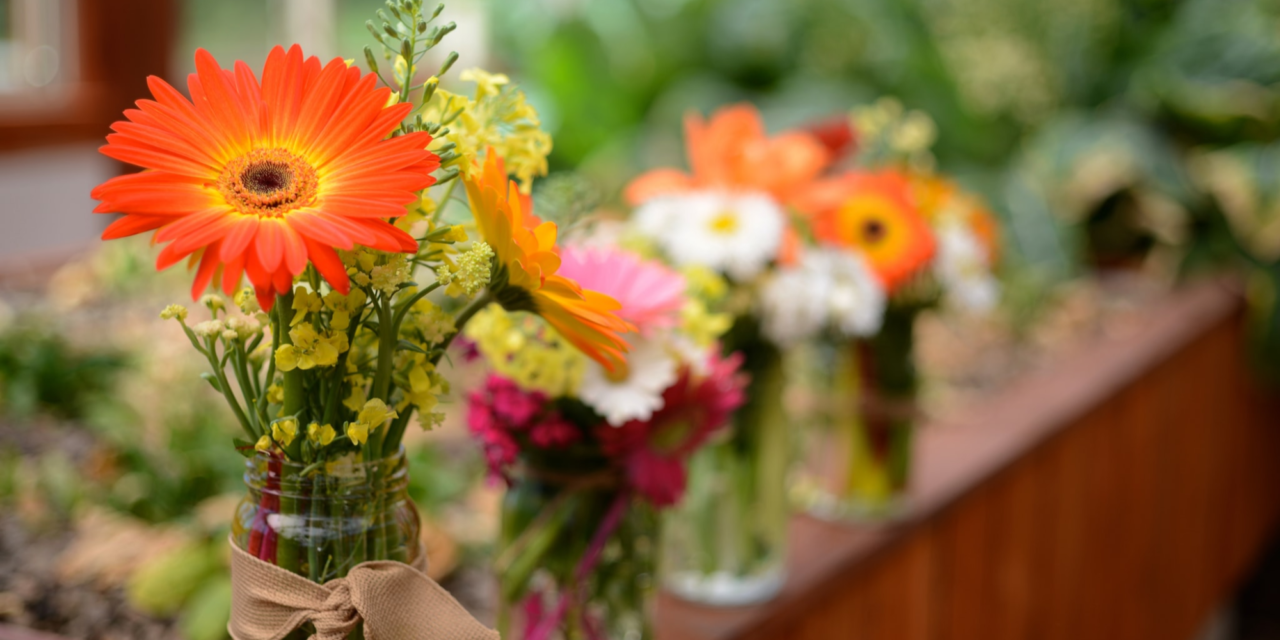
x: 1083, y: 123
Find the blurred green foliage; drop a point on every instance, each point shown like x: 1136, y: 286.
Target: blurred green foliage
x: 41, y: 373
x: 1084, y: 123
x: 1032, y: 97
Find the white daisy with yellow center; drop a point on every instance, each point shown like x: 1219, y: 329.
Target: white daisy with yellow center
x: 735, y: 233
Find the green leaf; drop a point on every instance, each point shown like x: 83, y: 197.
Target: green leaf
x: 409, y: 346
x: 205, y: 616
x: 212, y: 380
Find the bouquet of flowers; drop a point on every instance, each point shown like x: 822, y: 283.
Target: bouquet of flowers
x: 813, y: 254
x: 923, y: 240
x: 328, y: 193
x: 590, y: 454
x: 730, y: 217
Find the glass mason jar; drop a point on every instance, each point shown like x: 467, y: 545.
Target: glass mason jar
x: 725, y: 543
x: 576, y: 556
x: 859, y: 423
x: 321, y: 521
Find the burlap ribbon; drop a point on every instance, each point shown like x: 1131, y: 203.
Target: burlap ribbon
x: 396, y: 602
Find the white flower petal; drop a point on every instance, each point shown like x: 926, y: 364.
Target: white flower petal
x: 650, y: 370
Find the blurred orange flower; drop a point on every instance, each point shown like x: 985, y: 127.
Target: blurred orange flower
x: 876, y: 214
x: 731, y: 151
x: 525, y: 248
x: 262, y: 178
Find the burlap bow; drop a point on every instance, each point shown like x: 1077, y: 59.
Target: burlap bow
x: 396, y: 602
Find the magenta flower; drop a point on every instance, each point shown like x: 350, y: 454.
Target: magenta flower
x: 554, y: 432
x: 653, y: 452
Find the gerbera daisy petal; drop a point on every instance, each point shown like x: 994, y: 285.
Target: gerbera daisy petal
x: 232, y: 271
x: 282, y: 280
x: 221, y: 102
x: 329, y: 265
x: 295, y: 252
x: 126, y: 149
x: 171, y: 103
x: 388, y: 238
x: 239, y: 237
x: 320, y: 101
x: 204, y: 274
x: 189, y: 224
x: 251, y: 96
x: 145, y: 128
x: 258, y: 276
x: 315, y: 228
x: 269, y: 244
x: 169, y: 256
x: 383, y: 157
x: 359, y: 234
x: 132, y: 225
x: 153, y: 193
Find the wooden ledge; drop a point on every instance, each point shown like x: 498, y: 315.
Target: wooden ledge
x: 981, y: 471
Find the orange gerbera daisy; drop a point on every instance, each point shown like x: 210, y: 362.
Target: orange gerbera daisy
x: 875, y: 214
x: 260, y: 178
x: 733, y: 152
x: 525, y: 248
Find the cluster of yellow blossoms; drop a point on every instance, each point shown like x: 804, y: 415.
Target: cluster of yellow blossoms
x: 526, y: 350
x: 497, y: 118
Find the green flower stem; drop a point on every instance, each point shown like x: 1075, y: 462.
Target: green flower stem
x: 402, y: 309
x: 238, y: 358
x: 295, y: 399
x: 271, y: 367
x: 444, y: 202
x: 515, y: 577
x: 386, y: 354
x: 461, y: 321
x: 287, y: 552
x: 225, y: 387
x: 395, y: 432
x: 340, y: 372
x: 316, y: 555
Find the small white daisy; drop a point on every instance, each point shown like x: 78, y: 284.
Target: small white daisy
x: 651, y: 368
x: 793, y: 306
x: 857, y: 299
x: 830, y: 287
x: 735, y: 233
x: 961, y: 266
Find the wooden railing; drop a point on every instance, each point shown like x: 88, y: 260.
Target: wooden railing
x: 1121, y: 494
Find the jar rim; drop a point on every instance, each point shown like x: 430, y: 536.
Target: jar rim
x: 274, y: 474
x: 401, y: 455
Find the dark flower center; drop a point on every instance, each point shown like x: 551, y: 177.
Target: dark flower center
x: 268, y: 182
x: 873, y: 231
x: 266, y: 178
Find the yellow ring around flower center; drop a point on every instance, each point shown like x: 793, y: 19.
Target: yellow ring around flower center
x: 268, y: 182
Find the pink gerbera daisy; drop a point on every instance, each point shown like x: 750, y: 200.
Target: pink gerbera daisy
x: 651, y: 294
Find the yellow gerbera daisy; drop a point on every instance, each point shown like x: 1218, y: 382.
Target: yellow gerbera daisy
x: 525, y: 251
